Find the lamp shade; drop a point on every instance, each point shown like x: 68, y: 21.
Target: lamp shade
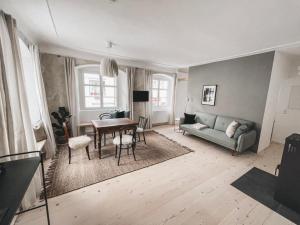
x: 108, y: 67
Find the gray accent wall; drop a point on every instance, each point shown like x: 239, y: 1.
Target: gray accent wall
x: 242, y: 86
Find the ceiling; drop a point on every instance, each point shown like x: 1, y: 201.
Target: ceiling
x: 177, y: 33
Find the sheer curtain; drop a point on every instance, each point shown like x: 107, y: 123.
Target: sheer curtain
x: 130, y: 82
x: 50, y: 145
x: 72, y: 89
x: 16, y: 130
x: 148, y: 107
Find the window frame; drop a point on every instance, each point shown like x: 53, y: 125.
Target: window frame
x: 94, y: 69
x: 159, y: 78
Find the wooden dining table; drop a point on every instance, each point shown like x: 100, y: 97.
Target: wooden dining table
x: 108, y: 126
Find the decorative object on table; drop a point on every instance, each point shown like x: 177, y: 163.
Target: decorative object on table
x: 109, y: 67
x: 232, y: 127
x: 61, y: 116
x: 76, y: 143
x: 189, y: 118
x: 39, y: 132
x: 141, y: 127
x: 288, y: 185
x: 209, y: 94
x: 125, y: 141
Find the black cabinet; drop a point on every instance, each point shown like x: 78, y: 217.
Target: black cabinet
x: 288, y: 186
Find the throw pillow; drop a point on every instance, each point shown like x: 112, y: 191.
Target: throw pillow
x: 120, y: 114
x: 189, y: 118
x: 232, y: 128
x: 244, y: 128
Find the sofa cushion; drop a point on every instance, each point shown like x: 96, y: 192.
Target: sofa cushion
x: 241, y: 130
x: 206, y: 118
x: 222, y: 122
x: 212, y: 135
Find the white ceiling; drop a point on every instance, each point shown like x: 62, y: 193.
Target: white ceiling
x: 172, y: 32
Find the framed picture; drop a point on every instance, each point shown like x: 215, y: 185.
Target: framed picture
x: 209, y: 94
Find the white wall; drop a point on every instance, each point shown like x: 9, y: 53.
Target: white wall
x: 279, y: 121
x: 287, y: 120
x: 181, y: 97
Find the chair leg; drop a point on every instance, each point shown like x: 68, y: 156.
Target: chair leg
x: 69, y: 154
x: 183, y: 132
x: 104, y: 136
x: 139, y: 137
x: 127, y: 149
x: 133, y: 150
x: 119, y: 155
x: 87, y: 152
x: 116, y: 151
x: 144, y: 137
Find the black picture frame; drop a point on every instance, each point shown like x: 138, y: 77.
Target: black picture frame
x: 209, y: 93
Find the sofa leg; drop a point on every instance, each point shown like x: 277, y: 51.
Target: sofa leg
x: 233, y: 153
x: 183, y: 132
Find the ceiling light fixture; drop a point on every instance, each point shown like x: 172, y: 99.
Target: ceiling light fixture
x: 109, y: 66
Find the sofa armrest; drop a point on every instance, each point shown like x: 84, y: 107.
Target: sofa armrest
x: 181, y: 120
x: 246, y: 140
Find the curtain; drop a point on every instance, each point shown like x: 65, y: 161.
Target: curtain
x: 50, y: 145
x: 148, y: 105
x: 71, y: 88
x: 16, y: 131
x: 173, y: 100
x: 130, y: 81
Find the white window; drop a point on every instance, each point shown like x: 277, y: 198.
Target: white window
x: 97, y: 91
x: 160, y: 92
x: 30, y: 83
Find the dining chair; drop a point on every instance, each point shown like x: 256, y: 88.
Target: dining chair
x: 141, y: 127
x: 105, y: 116
x: 125, y: 141
x: 75, y: 143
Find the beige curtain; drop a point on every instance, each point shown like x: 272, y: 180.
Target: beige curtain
x: 130, y: 81
x: 16, y: 131
x: 50, y: 145
x: 71, y: 87
x: 148, y: 105
x: 173, y: 100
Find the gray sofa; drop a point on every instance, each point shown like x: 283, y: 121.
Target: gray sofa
x: 215, y: 132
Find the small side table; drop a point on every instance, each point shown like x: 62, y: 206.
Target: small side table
x: 176, y: 125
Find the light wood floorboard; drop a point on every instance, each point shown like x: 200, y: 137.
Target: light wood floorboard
x: 192, y: 189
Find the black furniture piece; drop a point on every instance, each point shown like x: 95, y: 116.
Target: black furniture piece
x: 15, y: 177
x: 288, y: 185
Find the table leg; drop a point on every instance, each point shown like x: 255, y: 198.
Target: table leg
x: 99, y: 143
x: 95, y: 137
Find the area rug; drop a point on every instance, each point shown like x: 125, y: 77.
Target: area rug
x: 260, y: 186
x: 63, y: 177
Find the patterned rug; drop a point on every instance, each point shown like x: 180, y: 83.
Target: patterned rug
x: 63, y: 177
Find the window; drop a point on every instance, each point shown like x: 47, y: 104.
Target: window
x: 160, y: 92
x: 30, y: 83
x: 97, y: 91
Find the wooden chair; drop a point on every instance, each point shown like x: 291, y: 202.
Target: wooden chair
x: 75, y: 143
x: 105, y: 116
x: 125, y: 141
x: 141, y: 127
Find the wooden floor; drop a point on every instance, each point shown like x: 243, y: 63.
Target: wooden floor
x: 191, y: 189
